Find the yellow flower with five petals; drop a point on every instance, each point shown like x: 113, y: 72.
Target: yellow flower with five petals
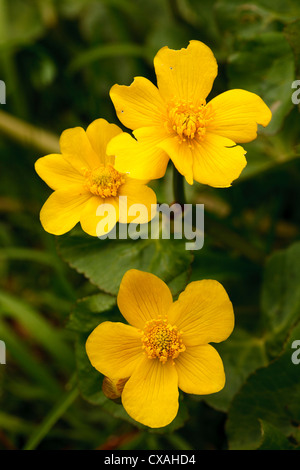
x: 84, y: 177
x: 164, y: 346
x: 174, y: 121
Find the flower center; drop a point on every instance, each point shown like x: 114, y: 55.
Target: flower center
x: 188, y: 121
x: 161, y: 340
x: 104, y: 181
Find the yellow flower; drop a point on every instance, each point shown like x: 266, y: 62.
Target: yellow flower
x: 84, y: 177
x: 165, y: 345
x: 173, y: 120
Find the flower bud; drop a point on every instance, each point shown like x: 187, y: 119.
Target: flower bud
x: 113, y: 388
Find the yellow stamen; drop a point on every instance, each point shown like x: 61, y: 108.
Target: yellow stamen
x: 161, y: 340
x: 104, y: 181
x: 187, y: 121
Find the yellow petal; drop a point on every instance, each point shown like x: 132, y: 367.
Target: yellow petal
x: 236, y: 114
x: 217, y: 161
x: 140, y: 160
x: 96, y: 220
x: 77, y: 149
x: 100, y: 132
x: 143, y: 297
x: 137, y: 200
x: 186, y: 74
x: 200, y: 370
x: 181, y: 155
x: 57, y: 172
x: 114, y: 349
x: 63, y: 209
x: 139, y: 104
x: 151, y: 394
x: 203, y: 312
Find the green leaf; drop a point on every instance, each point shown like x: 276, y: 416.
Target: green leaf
x: 280, y: 301
x: 270, y: 394
x: 104, y: 262
x: 92, y: 310
x: 269, y: 152
x: 274, y: 439
x: 242, y: 353
x: 265, y: 66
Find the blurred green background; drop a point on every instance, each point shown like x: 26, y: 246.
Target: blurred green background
x: 59, y: 59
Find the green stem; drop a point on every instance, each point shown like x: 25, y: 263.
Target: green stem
x: 28, y: 135
x: 178, y: 187
x: 51, y: 419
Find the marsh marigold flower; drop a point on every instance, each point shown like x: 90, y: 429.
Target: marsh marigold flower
x: 174, y: 120
x: 83, y: 178
x: 165, y: 346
